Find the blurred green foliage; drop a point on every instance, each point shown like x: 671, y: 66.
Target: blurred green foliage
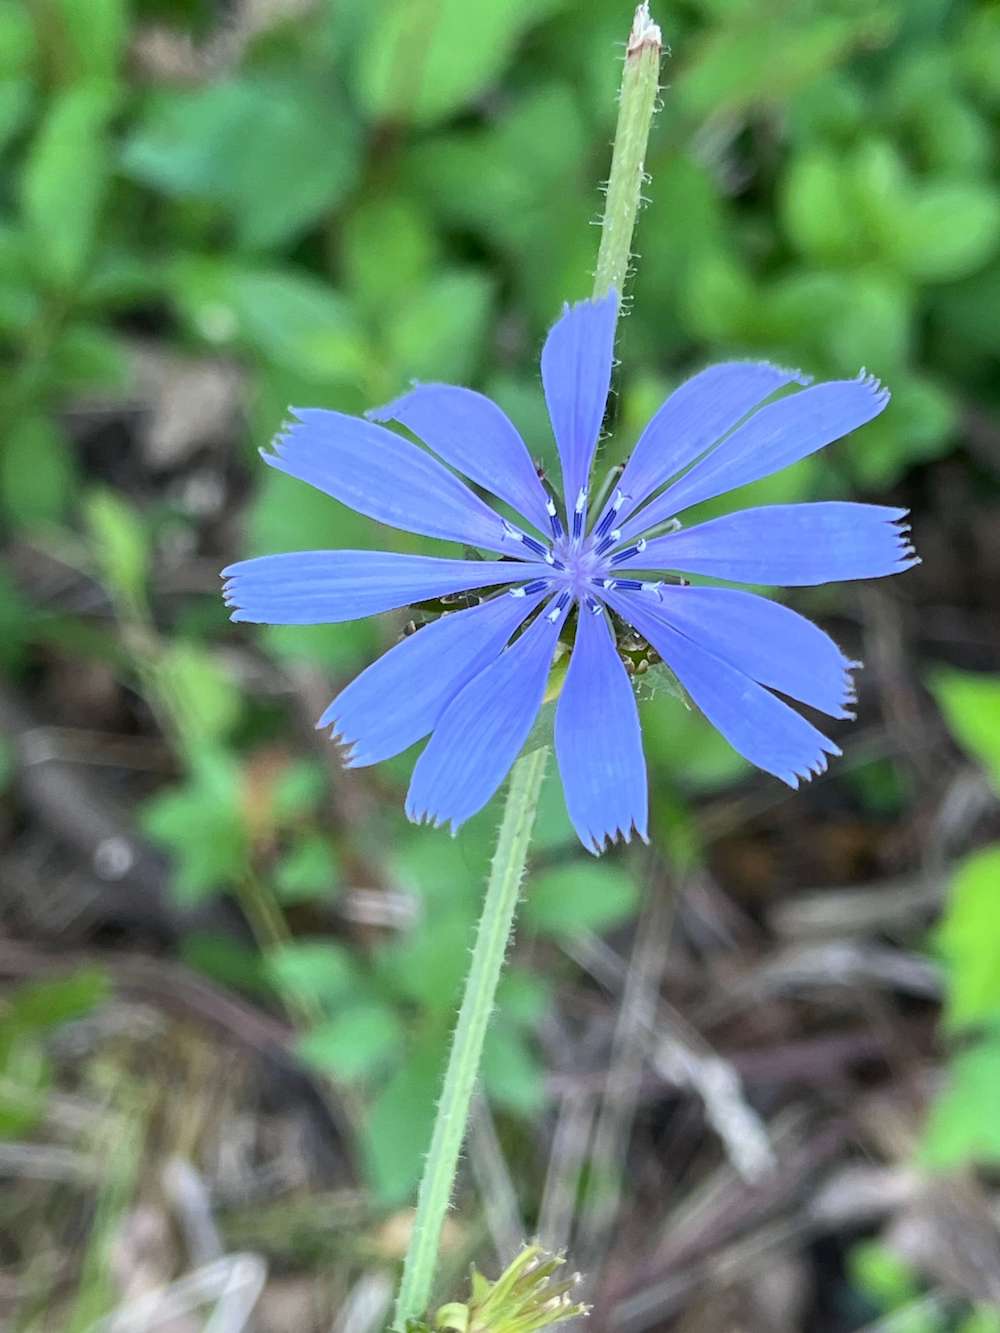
x: 349, y: 195
x: 896, y: 1290
x: 963, y: 1127
x: 27, y: 1019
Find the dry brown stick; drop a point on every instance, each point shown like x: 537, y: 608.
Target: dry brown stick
x: 636, y: 1016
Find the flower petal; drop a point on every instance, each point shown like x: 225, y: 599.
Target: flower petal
x: 598, y: 740
x: 385, y: 477
x: 778, y: 435
x: 469, y: 431
x: 788, y: 545
x: 696, y: 415
x: 324, y: 587
x: 769, y: 642
x: 399, y: 698
x: 576, y: 375
x: 482, y: 730
x: 754, y: 722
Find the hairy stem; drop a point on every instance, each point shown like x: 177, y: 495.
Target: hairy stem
x: 640, y: 84
x: 492, y: 939
x: 638, y: 98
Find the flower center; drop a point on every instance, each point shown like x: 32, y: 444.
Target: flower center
x: 581, y: 564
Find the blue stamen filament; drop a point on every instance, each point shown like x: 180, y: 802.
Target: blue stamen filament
x: 610, y: 514
x: 579, y: 514
x: 554, y: 520
x: 636, y: 548
x: 531, y: 543
x: 610, y: 540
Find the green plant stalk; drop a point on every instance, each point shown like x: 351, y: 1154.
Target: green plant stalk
x: 640, y: 82
x: 492, y: 939
x: 640, y: 85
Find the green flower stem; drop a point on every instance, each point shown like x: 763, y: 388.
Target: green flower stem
x: 492, y: 939
x: 640, y: 82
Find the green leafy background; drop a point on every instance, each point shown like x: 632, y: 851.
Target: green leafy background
x: 210, y: 212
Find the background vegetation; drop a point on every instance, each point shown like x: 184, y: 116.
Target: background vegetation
x: 229, y: 968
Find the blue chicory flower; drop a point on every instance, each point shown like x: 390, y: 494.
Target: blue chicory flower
x: 474, y: 680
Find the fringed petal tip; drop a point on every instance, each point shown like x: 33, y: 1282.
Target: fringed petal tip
x: 805, y: 772
x: 848, y: 693
x: 347, y: 746
x: 792, y: 374
x: 597, y: 843
x: 350, y: 749
x: 905, y: 551
x: 870, y: 381
x: 293, y: 423
x: 434, y: 821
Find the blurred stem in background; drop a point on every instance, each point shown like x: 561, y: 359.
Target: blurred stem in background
x: 640, y: 83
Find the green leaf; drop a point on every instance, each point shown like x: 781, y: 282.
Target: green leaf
x: 964, y: 1127
x: 202, y: 697
x: 881, y: 188
x: 18, y: 43
x: 969, y: 940
x: 971, y: 706
x: 37, y: 473
x: 286, y: 315
x: 523, y: 997
x: 683, y: 748
x: 41, y: 1005
x: 874, y: 327
x: 276, y: 151
x: 760, y: 57
x: 397, y: 1132
x: 511, y: 1070
x: 89, y: 357
x: 719, y: 298
x: 388, y: 250
x: 818, y: 208
x: 16, y: 97
x: 882, y: 1275
x: 423, y: 59
x: 356, y: 1043
x: 202, y: 823
x: 25, y: 1079
x: 439, y: 333
x: 429, y: 965
x: 977, y: 52
x: 121, y: 542
x: 64, y: 180
x: 318, y: 971
x: 88, y: 36
x: 225, y: 960
x: 585, y: 895
x: 310, y: 870
x: 298, y: 789
x: 946, y: 231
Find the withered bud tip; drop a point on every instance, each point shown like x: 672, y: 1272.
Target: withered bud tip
x: 645, y: 33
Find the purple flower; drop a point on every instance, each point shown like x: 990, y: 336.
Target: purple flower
x: 474, y: 680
